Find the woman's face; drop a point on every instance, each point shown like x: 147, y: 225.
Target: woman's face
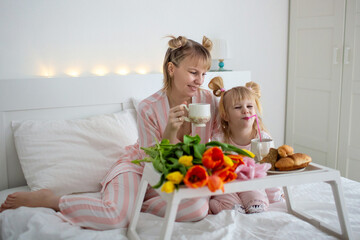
x: 187, y: 77
x: 238, y: 114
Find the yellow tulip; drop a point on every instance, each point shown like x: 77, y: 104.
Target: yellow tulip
x: 168, y: 187
x: 228, y: 162
x: 250, y: 153
x: 175, y: 177
x: 186, y: 160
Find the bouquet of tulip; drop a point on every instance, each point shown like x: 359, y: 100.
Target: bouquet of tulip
x: 194, y: 164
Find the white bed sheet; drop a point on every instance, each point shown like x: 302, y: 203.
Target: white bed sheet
x: 316, y: 198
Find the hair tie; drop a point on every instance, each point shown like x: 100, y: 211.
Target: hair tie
x: 222, y: 89
x: 250, y: 88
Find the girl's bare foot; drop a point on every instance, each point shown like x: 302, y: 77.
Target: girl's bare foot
x: 40, y: 198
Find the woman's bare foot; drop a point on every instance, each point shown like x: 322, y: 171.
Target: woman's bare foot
x: 40, y: 198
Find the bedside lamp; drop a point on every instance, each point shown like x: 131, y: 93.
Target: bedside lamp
x: 220, y: 52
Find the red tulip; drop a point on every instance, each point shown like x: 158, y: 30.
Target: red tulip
x: 213, y: 158
x: 196, y: 177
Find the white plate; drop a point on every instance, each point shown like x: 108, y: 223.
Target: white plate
x: 281, y: 172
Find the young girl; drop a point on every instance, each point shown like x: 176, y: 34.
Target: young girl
x: 236, y: 106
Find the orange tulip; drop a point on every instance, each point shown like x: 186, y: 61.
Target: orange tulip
x: 237, y: 159
x: 213, y: 158
x: 196, y: 177
x: 226, y: 174
x: 215, y: 183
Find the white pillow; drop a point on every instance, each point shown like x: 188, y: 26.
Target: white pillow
x: 136, y: 102
x: 69, y: 156
x: 128, y: 126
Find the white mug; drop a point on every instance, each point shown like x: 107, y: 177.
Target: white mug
x: 198, y: 113
x: 261, y: 149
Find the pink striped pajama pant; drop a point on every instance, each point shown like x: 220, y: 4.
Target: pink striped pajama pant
x: 114, y: 208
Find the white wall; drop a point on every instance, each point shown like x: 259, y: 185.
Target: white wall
x: 48, y: 37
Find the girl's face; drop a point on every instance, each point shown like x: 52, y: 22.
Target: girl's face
x: 238, y: 114
x: 187, y: 77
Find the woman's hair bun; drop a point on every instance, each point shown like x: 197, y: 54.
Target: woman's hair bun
x: 207, y: 43
x: 178, y: 42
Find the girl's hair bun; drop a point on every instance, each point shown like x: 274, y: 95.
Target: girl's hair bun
x: 216, y: 84
x: 254, y: 87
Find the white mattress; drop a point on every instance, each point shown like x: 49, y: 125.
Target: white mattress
x: 42, y: 223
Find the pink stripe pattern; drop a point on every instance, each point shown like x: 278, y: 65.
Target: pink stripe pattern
x: 120, y: 185
x: 112, y: 211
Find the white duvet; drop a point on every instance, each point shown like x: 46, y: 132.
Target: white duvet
x: 42, y: 223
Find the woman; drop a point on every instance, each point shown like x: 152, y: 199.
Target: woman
x: 160, y: 116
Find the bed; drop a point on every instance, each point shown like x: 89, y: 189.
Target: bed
x: 69, y: 110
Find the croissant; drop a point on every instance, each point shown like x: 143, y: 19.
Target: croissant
x: 292, y: 162
x: 285, y: 150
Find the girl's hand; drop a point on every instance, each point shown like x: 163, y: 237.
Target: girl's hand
x: 175, y: 120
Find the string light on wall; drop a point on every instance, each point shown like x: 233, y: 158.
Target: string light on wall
x: 47, y: 72
x: 73, y: 72
x: 123, y: 71
x: 100, y: 71
x: 142, y: 70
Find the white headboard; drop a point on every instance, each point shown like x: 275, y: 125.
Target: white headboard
x: 72, y: 98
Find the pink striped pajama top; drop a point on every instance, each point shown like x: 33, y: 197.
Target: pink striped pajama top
x: 152, y: 119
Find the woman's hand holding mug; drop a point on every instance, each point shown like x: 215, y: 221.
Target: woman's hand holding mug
x: 198, y: 113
